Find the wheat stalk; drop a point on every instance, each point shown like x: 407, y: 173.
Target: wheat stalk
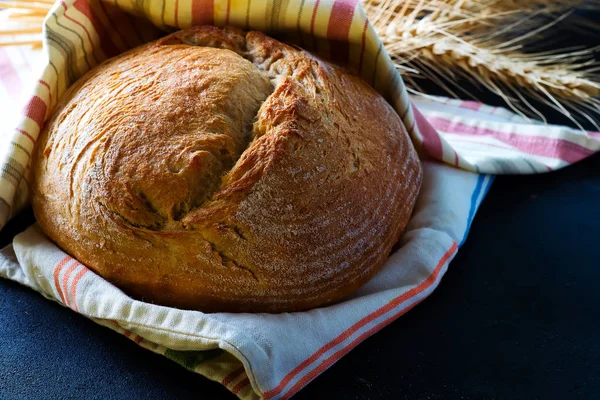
x: 449, y: 40
x: 22, y: 22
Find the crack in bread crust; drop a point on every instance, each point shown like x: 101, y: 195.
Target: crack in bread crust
x: 222, y: 170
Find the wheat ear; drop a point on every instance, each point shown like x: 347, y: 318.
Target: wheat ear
x: 449, y: 40
x: 22, y: 22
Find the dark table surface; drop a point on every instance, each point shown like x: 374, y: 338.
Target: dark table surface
x: 516, y: 316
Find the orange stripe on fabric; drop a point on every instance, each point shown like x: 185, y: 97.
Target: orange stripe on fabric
x: 338, y: 29
x: 84, y: 28
x: 203, y: 12
x: 108, y: 47
x: 65, y: 281
x: 374, y: 315
x: 57, y: 269
x: 314, y: 17
x: 242, y: 384
x: 24, y: 133
x: 231, y: 377
x: 43, y: 82
x: 340, y: 353
x: 36, y: 110
x: 337, y: 355
x: 76, y: 280
x: 138, y: 339
x: 312, y: 24
x: 176, y: 13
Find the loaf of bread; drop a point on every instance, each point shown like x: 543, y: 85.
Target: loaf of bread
x: 222, y: 170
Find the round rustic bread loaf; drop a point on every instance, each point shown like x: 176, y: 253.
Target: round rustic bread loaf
x: 222, y: 170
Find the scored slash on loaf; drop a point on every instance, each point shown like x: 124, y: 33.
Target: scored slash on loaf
x: 222, y: 170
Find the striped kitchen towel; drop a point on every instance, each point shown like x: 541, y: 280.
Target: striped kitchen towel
x: 269, y: 356
x: 480, y: 138
x: 266, y: 355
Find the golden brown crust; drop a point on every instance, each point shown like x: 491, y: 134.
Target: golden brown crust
x: 221, y: 170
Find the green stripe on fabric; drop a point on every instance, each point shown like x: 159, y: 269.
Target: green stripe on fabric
x: 374, y: 77
x: 300, y: 15
x: 284, y: 12
x: 20, y: 168
x: 58, y: 42
x: 10, y: 175
x: 504, y: 167
x: 269, y: 15
x: 55, y: 96
x: 248, y: 14
x: 85, y: 55
x: 162, y: 12
x: 405, y: 112
x: 299, y: 37
x: 390, y: 83
x: 275, y: 10
x: 23, y: 149
x: 191, y: 359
